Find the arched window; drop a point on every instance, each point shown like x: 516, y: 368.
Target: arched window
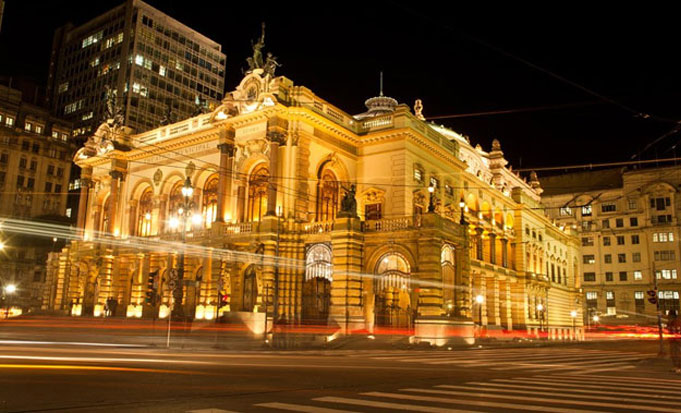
x: 144, y: 208
x: 448, y: 279
x: 318, y: 262
x: 393, y: 271
x: 175, y: 202
x: 327, y: 196
x: 210, y: 201
x: 257, y: 193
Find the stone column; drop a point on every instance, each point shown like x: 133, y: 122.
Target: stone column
x: 274, y: 176
x: 347, y: 307
x: 132, y: 217
x: 224, y: 179
x: 504, y: 252
x: 116, y: 178
x: 85, y: 193
x: 493, y: 248
x: 478, y: 244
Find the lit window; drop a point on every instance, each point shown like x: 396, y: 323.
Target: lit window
x: 565, y: 211
x: 63, y: 87
x: 162, y: 70
x: 638, y: 275
x: 633, y: 204
x: 139, y: 60
x: 586, y: 210
x: 9, y: 121
x: 589, y: 276
x: 589, y: 259
x: 591, y: 295
x: 28, y: 126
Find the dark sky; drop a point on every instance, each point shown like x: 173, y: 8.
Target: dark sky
x: 429, y: 51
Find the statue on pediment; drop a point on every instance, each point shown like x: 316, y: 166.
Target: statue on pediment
x: 256, y: 62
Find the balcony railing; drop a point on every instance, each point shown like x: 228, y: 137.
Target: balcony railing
x: 395, y: 224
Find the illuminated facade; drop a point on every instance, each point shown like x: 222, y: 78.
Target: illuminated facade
x: 274, y: 225
x: 153, y: 63
x: 629, y: 233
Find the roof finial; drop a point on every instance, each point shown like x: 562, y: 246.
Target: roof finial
x: 381, y: 85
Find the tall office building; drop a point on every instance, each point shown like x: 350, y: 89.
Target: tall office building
x: 157, y: 67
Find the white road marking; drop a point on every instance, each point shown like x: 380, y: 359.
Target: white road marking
x: 394, y: 406
x: 301, y: 408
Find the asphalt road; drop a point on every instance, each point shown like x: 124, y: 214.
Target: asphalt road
x: 603, y: 377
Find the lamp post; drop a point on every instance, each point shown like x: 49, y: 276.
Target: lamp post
x: 431, y: 201
x: 462, y: 207
x: 540, y: 308
x: 573, y: 314
x: 177, y: 310
x: 479, y: 299
x: 9, y: 291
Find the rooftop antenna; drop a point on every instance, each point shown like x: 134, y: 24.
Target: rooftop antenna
x: 381, y: 85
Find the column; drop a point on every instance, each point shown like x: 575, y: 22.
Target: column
x: 478, y: 244
x: 224, y: 179
x: 116, y: 177
x: 132, y: 217
x: 274, y: 176
x: 508, y: 305
x: 493, y: 248
x: 504, y: 252
x: 346, y: 301
x: 85, y: 184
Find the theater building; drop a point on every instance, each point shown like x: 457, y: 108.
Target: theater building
x: 280, y: 203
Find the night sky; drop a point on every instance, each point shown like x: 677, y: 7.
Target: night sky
x: 434, y: 53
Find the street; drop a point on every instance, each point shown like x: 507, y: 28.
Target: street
x: 588, y: 377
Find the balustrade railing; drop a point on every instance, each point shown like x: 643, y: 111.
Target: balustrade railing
x: 394, y: 224
x: 240, y: 228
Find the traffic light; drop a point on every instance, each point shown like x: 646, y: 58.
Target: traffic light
x: 223, y: 299
x: 652, y: 296
x: 152, y: 286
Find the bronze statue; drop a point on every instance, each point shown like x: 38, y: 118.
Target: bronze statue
x: 271, y: 64
x: 348, y: 204
x: 113, y: 112
x: 256, y: 62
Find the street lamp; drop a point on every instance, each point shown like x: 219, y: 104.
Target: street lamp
x: 479, y: 299
x: 9, y: 291
x: 431, y: 202
x: 183, y: 212
x: 462, y: 206
x: 573, y: 314
x: 540, y: 308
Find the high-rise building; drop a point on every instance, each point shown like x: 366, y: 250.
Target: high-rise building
x: 36, y: 150
x: 160, y: 70
x: 629, y: 227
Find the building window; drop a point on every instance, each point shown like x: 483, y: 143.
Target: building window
x: 589, y: 276
x: 667, y: 255
x: 449, y: 191
x: 20, y: 180
x: 638, y: 275
x: 587, y: 242
x: 144, y: 209
x: 36, y: 148
x: 608, y: 276
x: 608, y: 208
x: 318, y: 262
x: 606, y: 241
x: 28, y: 126
x: 636, y: 257
x: 621, y: 258
x: 605, y: 223
x: 619, y: 222
x: 25, y: 145
x: 9, y: 121
x: 50, y: 169
x: 620, y: 240
x: 665, y: 274
x: 22, y: 163
x: 633, y: 221
x: 210, y: 201
x: 327, y: 196
x: 663, y: 237
x: 38, y: 129
x: 639, y: 301
x: 607, y: 258
x: 565, y: 211
x: 668, y: 300
x: 660, y: 204
x: 635, y: 240
x: 372, y: 211
x: 591, y: 299
x: 434, y: 182
x: 589, y: 259
x: 633, y: 204
x: 34, y: 165
x: 257, y: 193
x: 418, y: 174
x: 623, y: 275
x: 586, y: 211
x: 586, y: 225
x: 57, y: 189
x: 30, y: 183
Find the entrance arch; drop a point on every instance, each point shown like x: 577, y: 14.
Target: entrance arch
x: 317, y: 287
x: 392, y: 287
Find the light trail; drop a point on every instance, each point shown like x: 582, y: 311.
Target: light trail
x: 96, y: 368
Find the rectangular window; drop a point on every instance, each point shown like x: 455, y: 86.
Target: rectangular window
x: 623, y: 275
x: 608, y: 276
x: 633, y: 221
x: 605, y: 223
x: 418, y: 174
x: 635, y: 240
x: 586, y: 225
x: 35, y: 148
x: 9, y: 121
x: 636, y: 257
x: 22, y: 163
x: 609, y: 295
x: 607, y: 258
x: 619, y: 222
x: 57, y: 189
x: 30, y: 184
x: 28, y: 126
x: 668, y: 300
x: 639, y: 301
x: 608, y: 208
x: 667, y: 255
x: 621, y: 258
x: 565, y: 211
x: 586, y: 211
x: 434, y: 182
x: 449, y: 191
x: 665, y: 274
x: 20, y: 180
x: 50, y: 169
x: 25, y: 145
x: 589, y: 276
x: 48, y: 186
x: 606, y: 241
x: 633, y: 204
x: 372, y: 211
x: 587, y: 242
x: 620, y: 240
x: 589, y: 259
x: 638, y: 275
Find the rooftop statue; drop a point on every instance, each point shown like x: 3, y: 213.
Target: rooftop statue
x: 271, y: 64
x: 256, y: 62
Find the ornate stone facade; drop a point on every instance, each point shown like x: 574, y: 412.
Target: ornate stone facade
x: 274, y: 170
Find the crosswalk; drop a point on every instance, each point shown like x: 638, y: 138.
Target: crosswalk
x: 555, y: 393
x: 525, y: 359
